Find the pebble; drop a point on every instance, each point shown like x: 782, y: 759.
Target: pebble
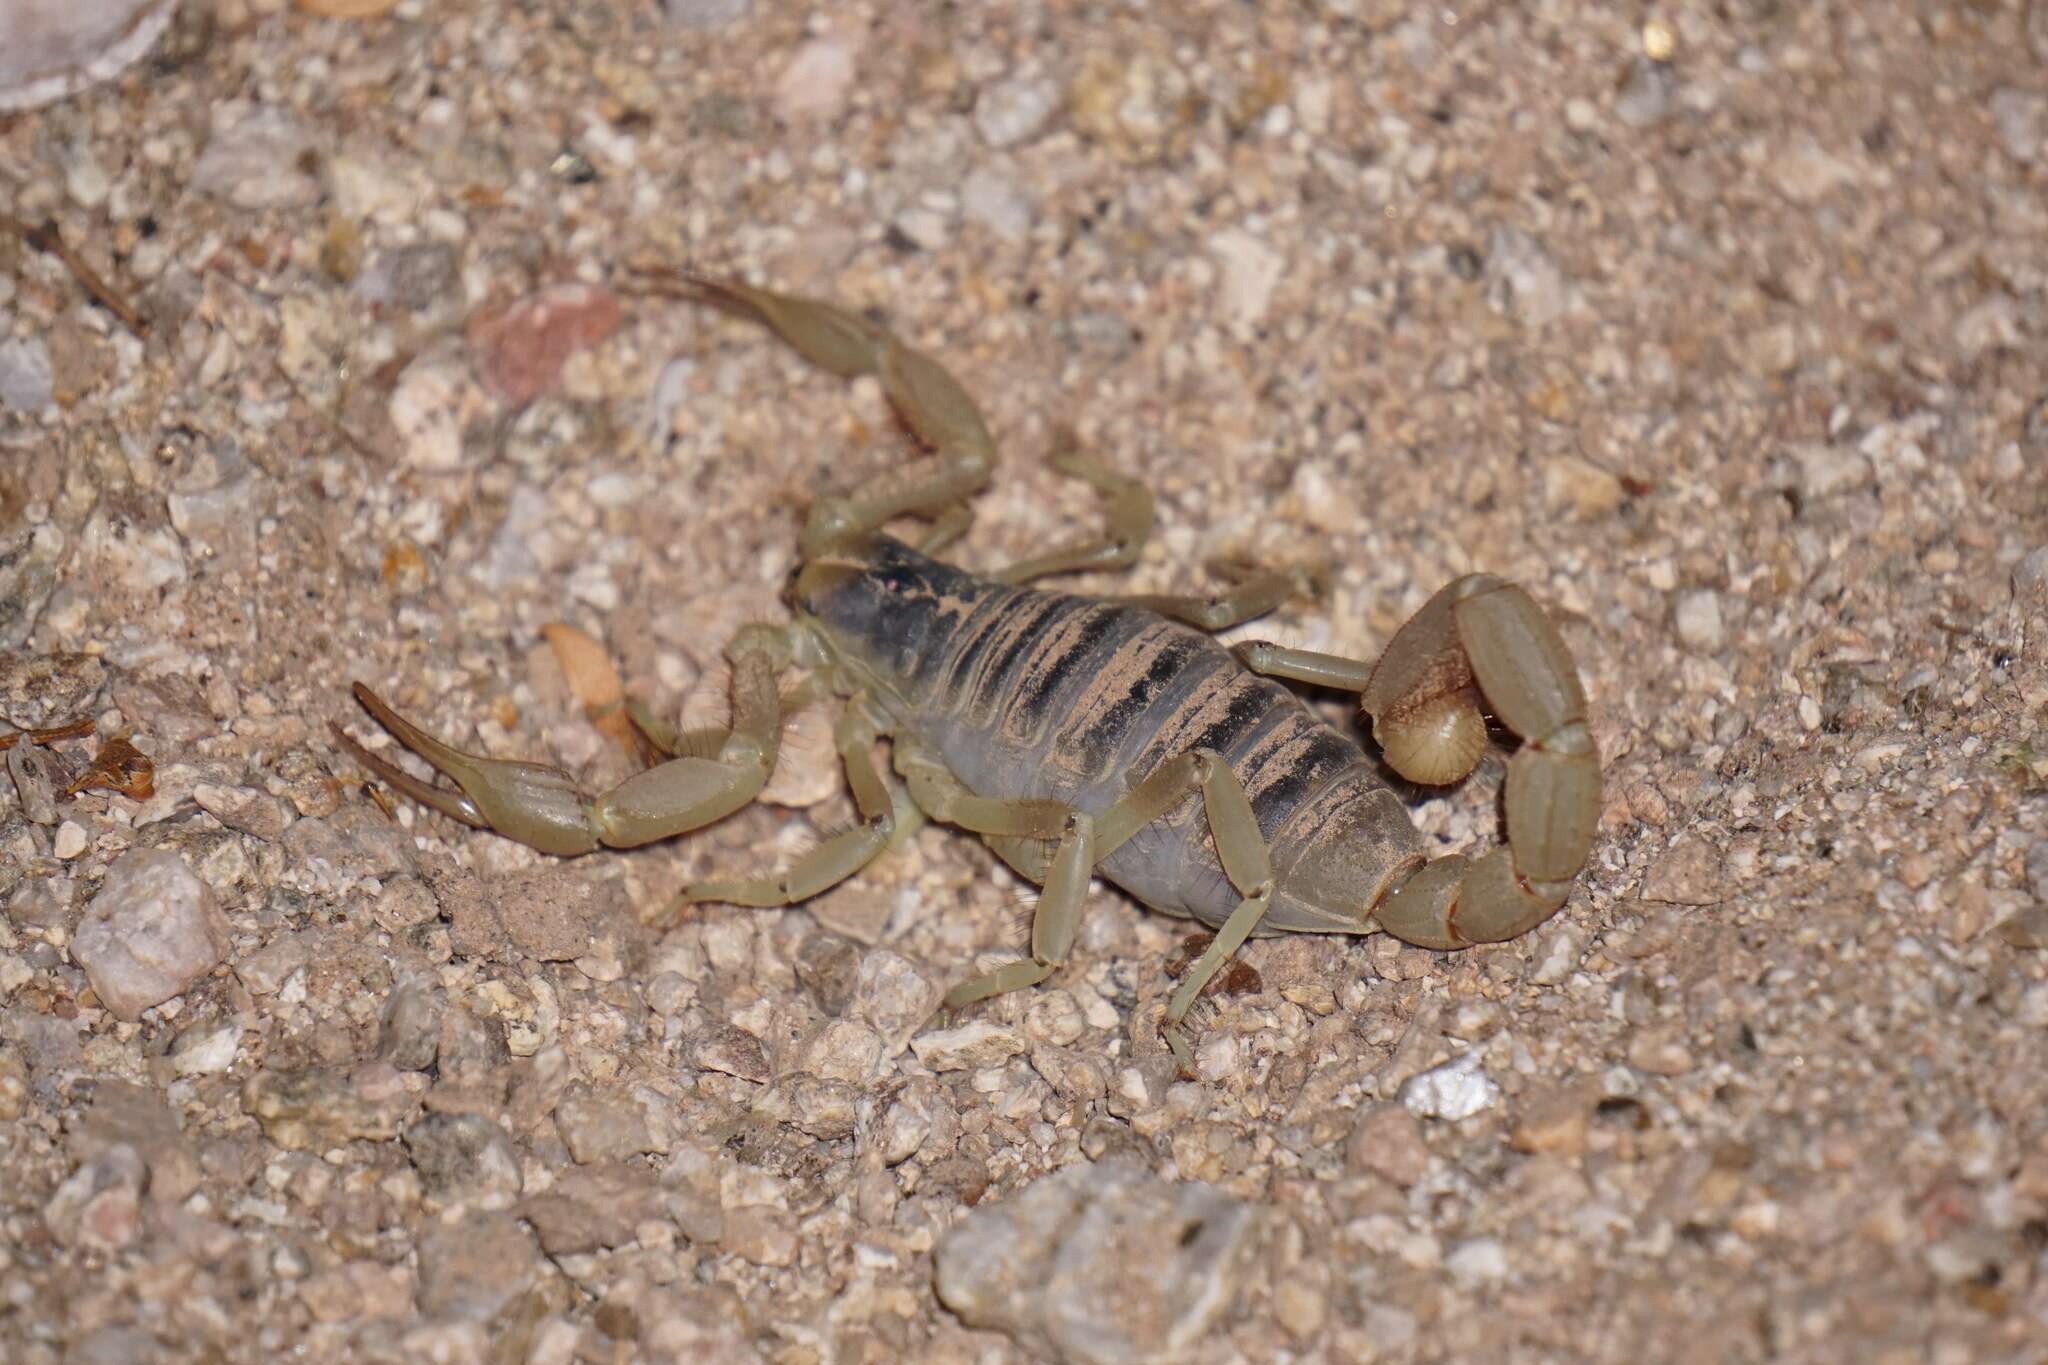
x: 705, y: 15
x: 1522, y: 281
x: 1558, y: 956
x: 51, y: 49
x: 1697, y: 616
x: 98, y: 1208
x: 246, y: 809
x: 2037, y: 869
x: 206, y: 1051
x: 761, y: 1233
x: 27, y: 381
x: 589, y: 1207
x: 1554, y: 1123
x: 2021, y: 117
x: 1251, y: 269
x: 1016, y: 110
x: 997, y: 202
x: 1102, y: 1264
x: 149, y: 933
x: 465, y: 1159
x: 815, y: 85
x: 1478, y: 1262
x: 606, y: 1125
x: 1456, y: 1090
x: 314, y: 1109
x: 1387, y: 1140
x: 33, y: 774
x: 1825, y: 471
x: 256, y: 158
x: 476, y: 1266
x: 1645, y: 100
x: 968, y: 1047
x: 433, y: 406
x: 2030, y: 577
x: 520, y: 347
x: 264, y: 971
x: 1806, y: 172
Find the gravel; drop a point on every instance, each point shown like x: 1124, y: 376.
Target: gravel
x: 1719, y: 330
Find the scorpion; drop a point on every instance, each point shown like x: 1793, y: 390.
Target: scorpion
x: 1083, y: 737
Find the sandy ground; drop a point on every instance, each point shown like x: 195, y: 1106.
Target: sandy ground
x: 1719, y: 326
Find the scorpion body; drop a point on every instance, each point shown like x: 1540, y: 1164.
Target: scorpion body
x: 1024, y: 694
x: 1081, y: 736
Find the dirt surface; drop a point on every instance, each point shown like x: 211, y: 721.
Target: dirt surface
x: 1719, y: 326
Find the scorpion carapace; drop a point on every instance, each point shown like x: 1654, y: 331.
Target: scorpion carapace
x: 1083, y: 736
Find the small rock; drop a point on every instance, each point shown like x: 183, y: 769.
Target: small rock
x: 2021, y: 117
x: 150, y: 932
x: 705, y: 15
x: 1478, y: 1263
x: 27, y: 381
x: 51, y: 49
x: 1555, y: 1123
x: 1456, y: 1090
x: 1660, y: 1053
x: 589, y: 1207
x: 465, y: 1159
x: 521, y: 347
x: 1591, y: 491
x: 1645, y: 100
x: 1137, y: 104
x: 761, y: 1233
x: 246, y: 809
x: 1251, y: 269
x: 1016, y: 110
x: 264, y: 971
x: 606, y: 1125
x: 2030, y: 578
x: 1690, y: 872
x: 732, y: 1051
x: 1697, y: 616
x: 412, y: 1025
x: 313, y: 1110
x: 207, y: 1050
x: 969, y: 1047
x: 475, y: 1267
x: 34, y: 776
x: 2037, y: 869
x: 997, y: 202
x: 433, y: 407
x: 1806, y: 173
x: 1387, y: 1140
x: 99, y: 1207
x: 814, y: 87
x: 256, y: 158
x: 1102, y: 1263
x: 1522, y: 281
x: 1558, y: 956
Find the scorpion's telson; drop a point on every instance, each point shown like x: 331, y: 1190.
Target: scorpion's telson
x: 1083, y: 737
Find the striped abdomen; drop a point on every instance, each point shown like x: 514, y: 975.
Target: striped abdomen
x: 1039, y: 694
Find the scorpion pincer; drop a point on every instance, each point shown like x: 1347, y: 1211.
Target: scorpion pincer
x: 1083, y: 737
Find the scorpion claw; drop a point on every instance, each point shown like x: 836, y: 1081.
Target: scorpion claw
x: 538, y: 805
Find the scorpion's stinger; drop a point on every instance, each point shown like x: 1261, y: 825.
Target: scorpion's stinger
x: 1479, y: 642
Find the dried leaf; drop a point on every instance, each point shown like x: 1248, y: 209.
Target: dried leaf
x: 594, y: 682
x: 118, y: 767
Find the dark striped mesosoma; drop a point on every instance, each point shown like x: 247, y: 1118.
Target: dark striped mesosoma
x: 1084, y: 737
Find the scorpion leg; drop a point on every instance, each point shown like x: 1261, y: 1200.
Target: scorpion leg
x: 1129, y: 514
x: 542, y: 807
x: 1242, y: 850
x: 930, y: 401
x: 1478, y: 641
x: 844, y: 854
x: 1252, y: 598
x: 1015, y: 825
